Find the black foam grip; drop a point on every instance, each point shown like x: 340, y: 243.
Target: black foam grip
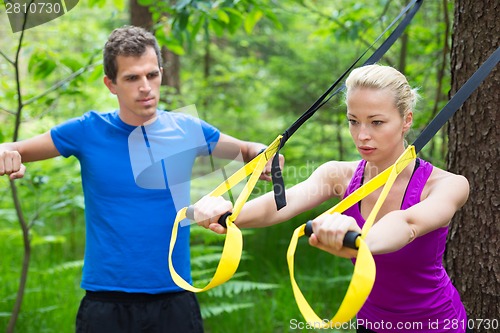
x: 349, y: 238
x: 222, y: 219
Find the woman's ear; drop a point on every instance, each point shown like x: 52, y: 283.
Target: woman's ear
x: 408, y: 120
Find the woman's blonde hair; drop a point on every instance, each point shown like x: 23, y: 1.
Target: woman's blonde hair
x: 384, y: 77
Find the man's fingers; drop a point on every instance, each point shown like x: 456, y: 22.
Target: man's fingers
x: 10, y: 164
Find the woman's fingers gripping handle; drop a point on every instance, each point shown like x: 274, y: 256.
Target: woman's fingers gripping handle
x: 211, y: 212
x: 349, y: 238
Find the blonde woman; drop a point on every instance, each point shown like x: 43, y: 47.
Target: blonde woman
x: 412, y: 291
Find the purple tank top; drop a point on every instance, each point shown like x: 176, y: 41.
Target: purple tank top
x: 412, y: 291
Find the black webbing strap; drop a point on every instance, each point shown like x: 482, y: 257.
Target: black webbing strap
x: 457, y: 100
x: 278, y: 183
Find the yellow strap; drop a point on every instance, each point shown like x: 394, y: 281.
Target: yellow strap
x: 364, y: 270
x: 233, y: 245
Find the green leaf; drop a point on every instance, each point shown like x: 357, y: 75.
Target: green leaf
x: 41, y: 65
x: 174, y: 46
x: 145, y: 3
x: 235, y: 20
x: 181, y: 4
x: 251, y: 20
x: 218, y: 27
x: 49, y: 239
x: 273, y: 18
x: 77, y: 264
x: 119, y: 4
x: 212, y: 310
x: 223, y: 16
x: 98, y: 3
x: 195, y: 28
x: 183, y: 20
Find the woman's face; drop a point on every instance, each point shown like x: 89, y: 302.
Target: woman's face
x: 376, y: 125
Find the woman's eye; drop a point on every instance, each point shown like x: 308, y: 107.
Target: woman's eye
x: 377, y: 122
x: 352, y: 121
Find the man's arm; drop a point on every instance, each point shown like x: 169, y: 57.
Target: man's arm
x: 13, y: 154
x: 229, y: 147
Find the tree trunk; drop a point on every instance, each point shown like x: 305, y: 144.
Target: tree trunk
x: 473, y: 253
x: 140, y: 16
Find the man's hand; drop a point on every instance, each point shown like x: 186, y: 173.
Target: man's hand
x: 266, y: 173
x: 10, y: 164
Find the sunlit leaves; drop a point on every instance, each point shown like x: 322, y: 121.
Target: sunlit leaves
x: 188, y: 19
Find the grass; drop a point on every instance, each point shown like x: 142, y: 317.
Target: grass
x: 275, y: 310
x: 53, y: 291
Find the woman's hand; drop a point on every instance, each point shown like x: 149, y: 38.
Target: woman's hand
x: 329, y: 231
x: 208, y: 210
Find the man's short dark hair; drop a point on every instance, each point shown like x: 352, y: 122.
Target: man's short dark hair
x: 127, y: 41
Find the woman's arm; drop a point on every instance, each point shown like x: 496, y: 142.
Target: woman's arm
x: 324, y: 183
x: 446, y: 194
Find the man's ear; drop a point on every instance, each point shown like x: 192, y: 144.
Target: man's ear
x: 408, y: 120
x: 110, y: 85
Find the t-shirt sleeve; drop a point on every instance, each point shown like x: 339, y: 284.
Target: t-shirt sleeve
x: 211, y: 134
x: 68, y: 136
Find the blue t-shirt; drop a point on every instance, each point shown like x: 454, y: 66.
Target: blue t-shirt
x: 129, y: 207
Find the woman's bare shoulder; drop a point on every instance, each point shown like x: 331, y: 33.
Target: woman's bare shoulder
x: 444, y: 181
x: 336, y: 173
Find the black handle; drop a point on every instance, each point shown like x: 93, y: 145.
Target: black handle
x: 222, y: 219
x: 190, y: 212
x: 349, y: 238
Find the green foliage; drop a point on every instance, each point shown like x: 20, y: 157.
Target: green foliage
x: 180, y: 23
x: 268, y: 62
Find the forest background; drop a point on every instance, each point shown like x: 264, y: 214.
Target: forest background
x: 250, y: 68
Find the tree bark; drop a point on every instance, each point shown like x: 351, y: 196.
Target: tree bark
x: 473, y: 253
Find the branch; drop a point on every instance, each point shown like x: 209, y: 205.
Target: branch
x: 18, y: 82
x: 26, y: 258
x: 61, y: 83
x: 4, y: 109
x: 7, y: 58
x: 333, y: 19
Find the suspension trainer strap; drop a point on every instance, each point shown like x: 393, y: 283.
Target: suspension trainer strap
x: 278, y: 183
x: 363, y: 276
x: 232, y: 250
x: 233, y: 244
x: 458, y: 99
x: 364, y: 269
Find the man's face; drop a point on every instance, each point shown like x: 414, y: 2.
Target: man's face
x: 137, y: 87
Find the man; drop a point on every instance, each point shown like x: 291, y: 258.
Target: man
x: 125, y: 274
